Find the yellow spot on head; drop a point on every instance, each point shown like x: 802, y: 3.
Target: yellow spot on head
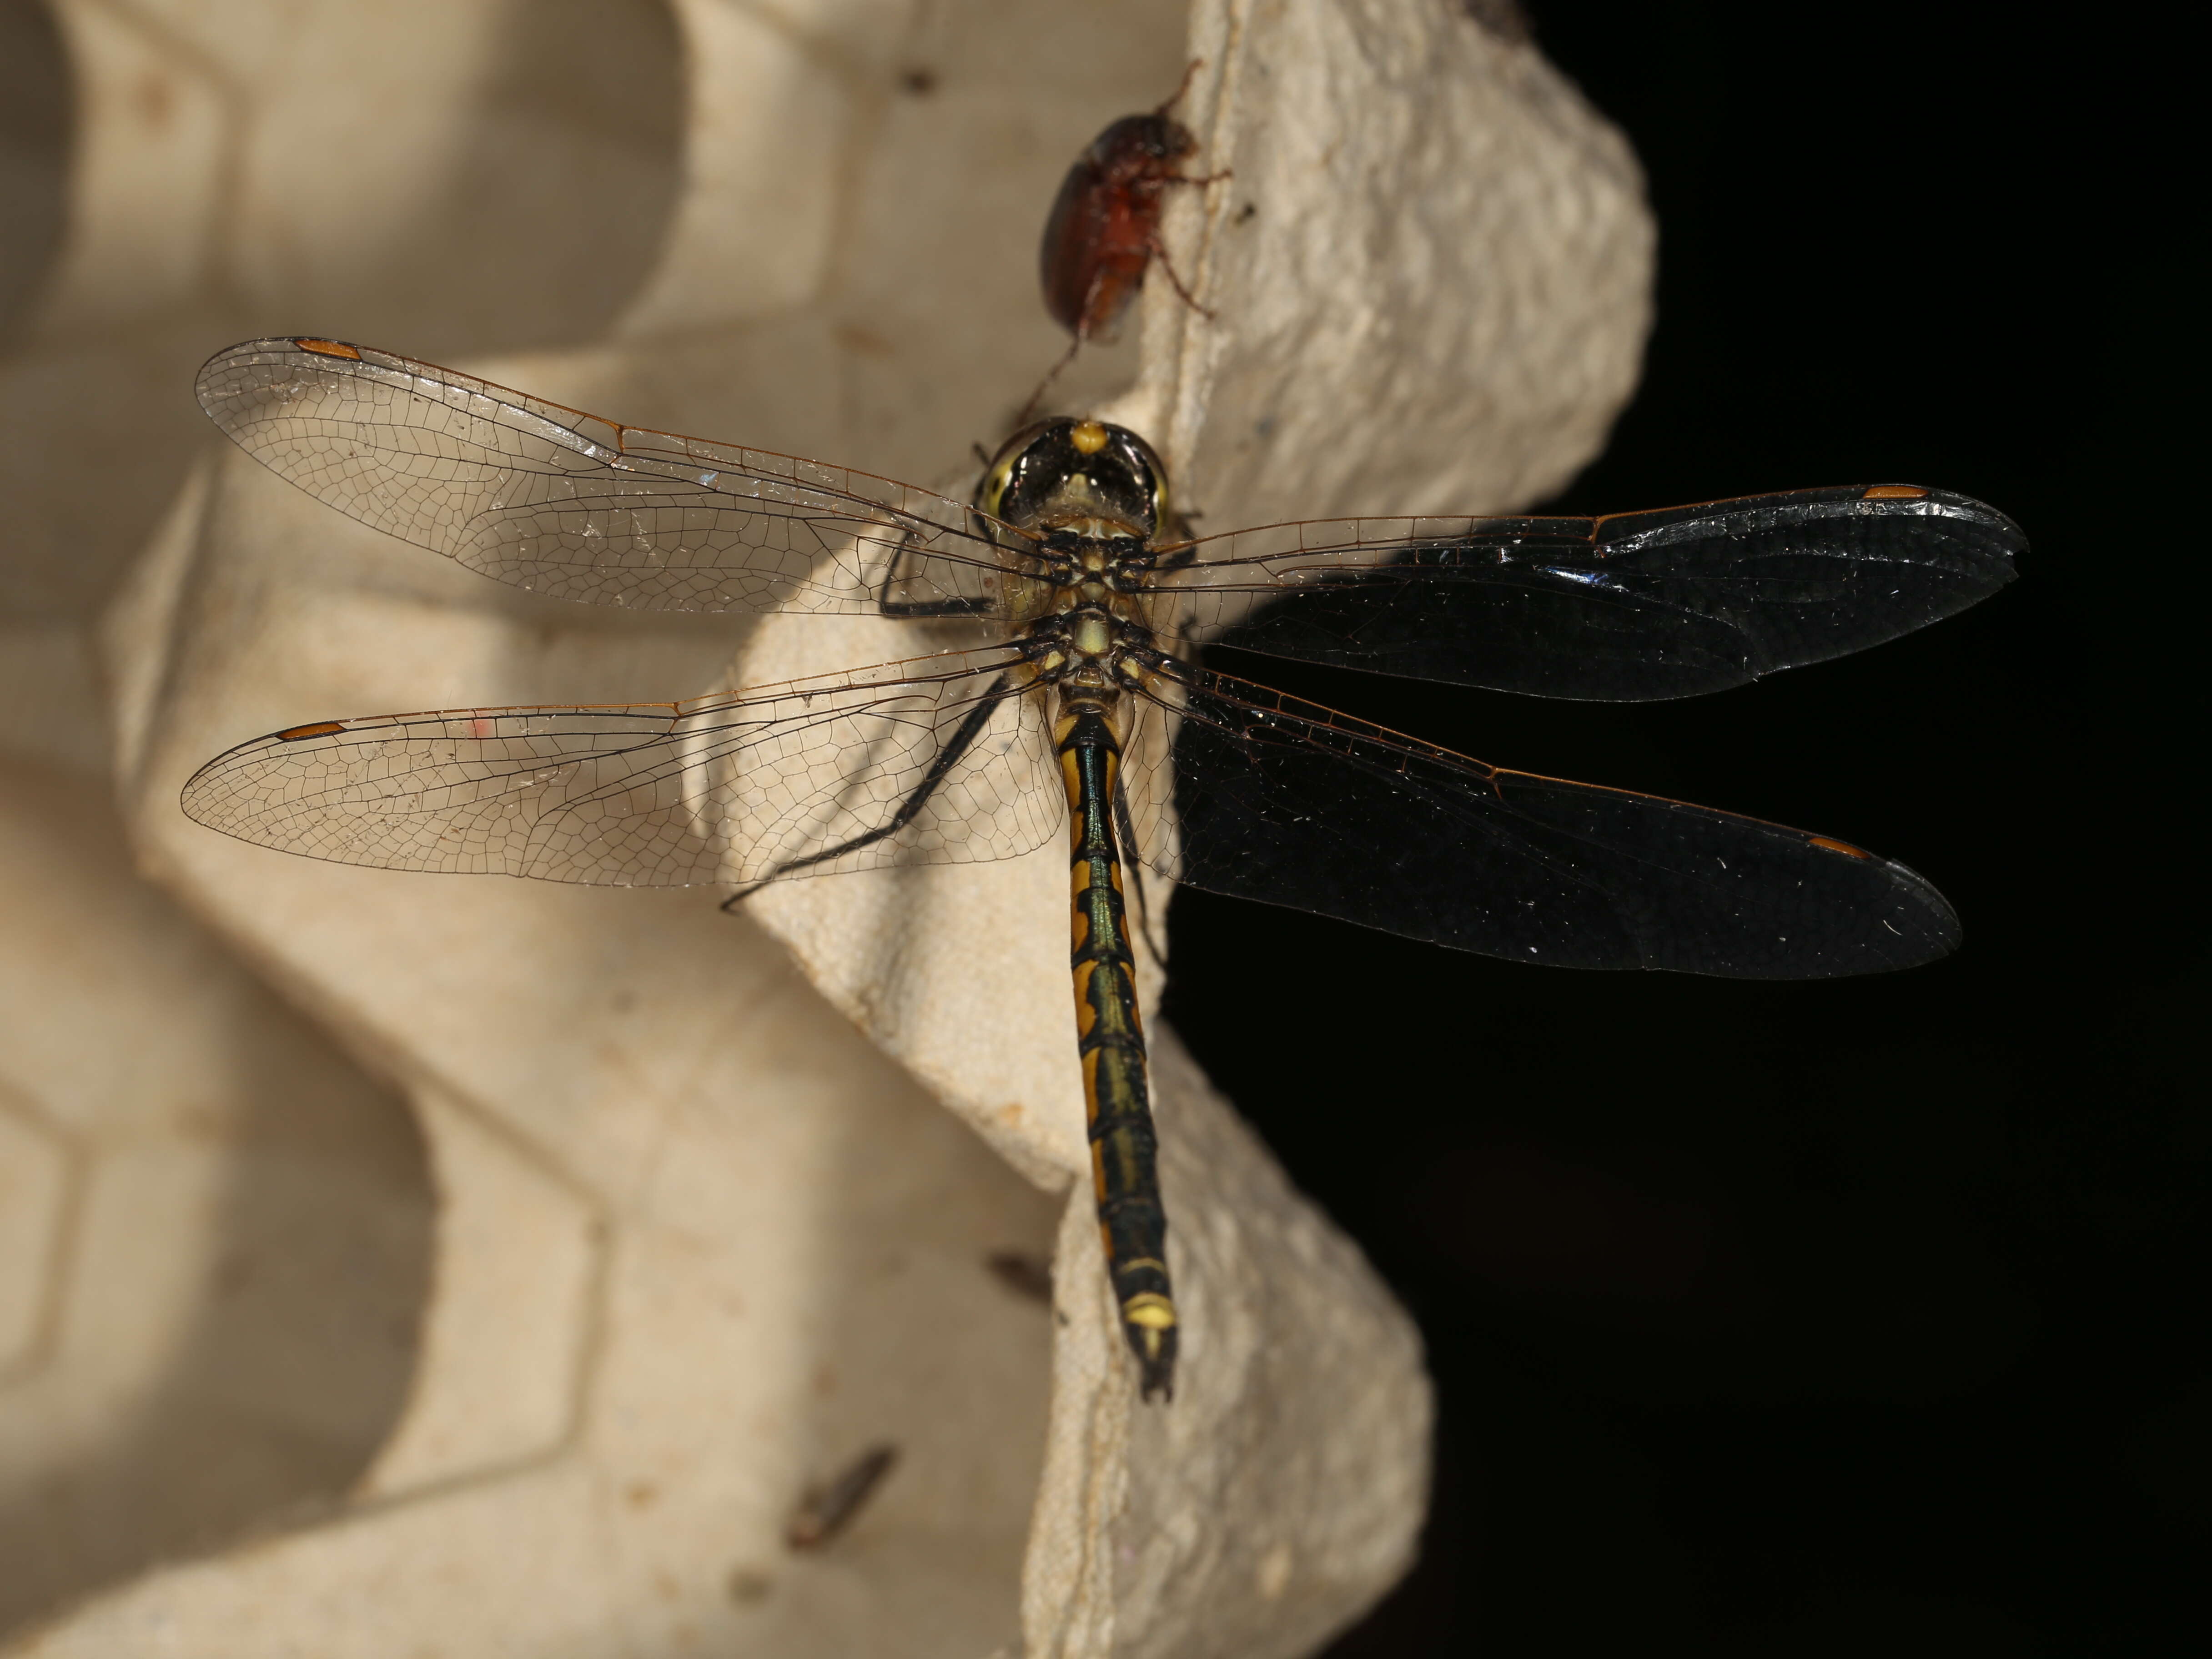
x: 1893, y: 493
x: 328, y: 349
x: 1089, y: 437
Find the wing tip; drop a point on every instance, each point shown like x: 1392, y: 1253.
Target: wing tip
x: 1933, y: 930
x: 196, y: 799
x: 2002, y: 563
x: 210, y: 393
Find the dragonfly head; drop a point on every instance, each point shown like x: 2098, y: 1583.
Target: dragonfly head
x: 1097, y: 480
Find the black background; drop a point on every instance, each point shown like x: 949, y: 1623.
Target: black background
x: 1859, y: 1316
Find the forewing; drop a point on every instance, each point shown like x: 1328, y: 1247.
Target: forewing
x: 721, y: 789
x: 1295, y: 804
x: 566, y: 504
x: 1635, y: 606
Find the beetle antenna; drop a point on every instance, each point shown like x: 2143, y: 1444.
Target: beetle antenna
x: 1181, y: 86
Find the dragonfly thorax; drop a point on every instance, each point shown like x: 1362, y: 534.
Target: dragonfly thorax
x: 1092, y: 634
x: 1089, y: 648
x: 1093, y: 569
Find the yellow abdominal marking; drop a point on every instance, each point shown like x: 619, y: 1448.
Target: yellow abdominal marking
x: 1150, y: 1311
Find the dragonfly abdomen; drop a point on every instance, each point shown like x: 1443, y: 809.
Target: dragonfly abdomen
x: 1110, y: 1040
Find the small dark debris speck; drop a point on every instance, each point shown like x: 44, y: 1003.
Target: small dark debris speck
x: 826, y: 1510
x: 1022, y: 1273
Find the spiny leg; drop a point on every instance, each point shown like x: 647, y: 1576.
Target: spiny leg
x: 922, y: 610
x: 963, y: 740
x: 1146, y: 921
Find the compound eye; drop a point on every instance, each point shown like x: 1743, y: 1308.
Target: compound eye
x: 1152, y: 475
x: 1156, y: 490
x: 994, y: 487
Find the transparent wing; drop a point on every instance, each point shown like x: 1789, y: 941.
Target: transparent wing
x: 1295, y: 804
x: 565, y: 503
x: 1665, y: 604
x: 943, y: 759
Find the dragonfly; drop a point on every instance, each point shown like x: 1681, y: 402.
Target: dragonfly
x: 1072, y: 699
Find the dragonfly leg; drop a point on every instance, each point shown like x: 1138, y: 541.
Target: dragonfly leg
x: 1147, y: 923
x: 921, y: 610
x: 1111, y: 1039
x: 961, y: 741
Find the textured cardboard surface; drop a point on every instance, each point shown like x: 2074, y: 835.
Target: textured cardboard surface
x: 703, y: 1228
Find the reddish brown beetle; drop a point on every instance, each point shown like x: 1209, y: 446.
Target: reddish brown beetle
x: 1105, y: 227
